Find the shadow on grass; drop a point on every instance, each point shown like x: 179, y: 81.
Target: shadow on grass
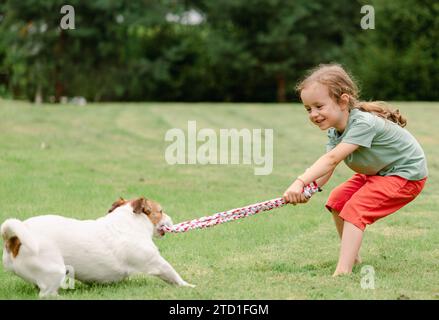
x: 288, y: 267
x: 110, y: 290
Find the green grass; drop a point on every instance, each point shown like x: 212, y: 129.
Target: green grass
x: 75, y: 161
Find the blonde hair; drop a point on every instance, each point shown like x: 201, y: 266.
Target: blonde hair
x: 340, y: 82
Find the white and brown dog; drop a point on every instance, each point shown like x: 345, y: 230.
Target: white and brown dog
x: 105, y: 250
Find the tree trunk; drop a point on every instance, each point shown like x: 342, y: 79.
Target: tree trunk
x: 59, y: 51
x: 281, y: 88
x: 38, y: 95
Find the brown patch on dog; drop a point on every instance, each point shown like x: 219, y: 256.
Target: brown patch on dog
x: 156, y: 213
x: 120, y: 202
x: 13, y: 246
x: 140, y: 205
x: 152, y: 209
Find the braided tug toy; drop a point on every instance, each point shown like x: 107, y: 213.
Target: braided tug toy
x: 235, y: 214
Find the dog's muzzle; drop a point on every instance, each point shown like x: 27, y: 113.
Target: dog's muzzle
x: 166, y: 221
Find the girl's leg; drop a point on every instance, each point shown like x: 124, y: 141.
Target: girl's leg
x: 339, y: 222
x: 350, y: 246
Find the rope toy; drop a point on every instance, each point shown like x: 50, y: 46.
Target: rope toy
x: 235, y: 214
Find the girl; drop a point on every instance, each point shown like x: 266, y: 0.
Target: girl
x: 390, y: 165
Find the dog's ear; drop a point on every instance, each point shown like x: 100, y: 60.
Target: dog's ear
x: 140, y: 205
x: 120, y: 202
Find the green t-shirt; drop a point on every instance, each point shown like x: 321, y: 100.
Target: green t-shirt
x: 385, y: 149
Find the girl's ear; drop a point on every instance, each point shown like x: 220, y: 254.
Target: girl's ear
x: 343, y: 101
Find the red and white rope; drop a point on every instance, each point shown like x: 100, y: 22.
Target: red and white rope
x: 234, y: 214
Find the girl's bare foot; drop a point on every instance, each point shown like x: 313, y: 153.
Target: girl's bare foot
x: 341, y: 272
x: 358, y: 260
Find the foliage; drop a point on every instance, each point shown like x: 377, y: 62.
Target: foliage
x: 279, y: 39
x: 399, y: 60
x: 239, y: 51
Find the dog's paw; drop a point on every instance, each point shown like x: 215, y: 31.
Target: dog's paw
x: 185, y: 284
x: 48, y: 295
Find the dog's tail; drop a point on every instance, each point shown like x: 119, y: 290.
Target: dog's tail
x: 15, y: 234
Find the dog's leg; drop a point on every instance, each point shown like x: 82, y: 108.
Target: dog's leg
x: 48, y: 292
x: 50, y: 279
x: 49, y: 288
x: 162, y: 269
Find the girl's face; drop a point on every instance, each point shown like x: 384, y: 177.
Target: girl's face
x: 323, y: 111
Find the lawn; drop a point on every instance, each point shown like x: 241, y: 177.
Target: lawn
x: 75, y: 161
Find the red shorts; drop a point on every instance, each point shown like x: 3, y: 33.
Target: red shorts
x: 364, y: 199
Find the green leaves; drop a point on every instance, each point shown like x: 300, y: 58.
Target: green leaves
x: 239, y: 51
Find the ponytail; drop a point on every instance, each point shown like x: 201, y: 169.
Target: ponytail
x: 383, y: 110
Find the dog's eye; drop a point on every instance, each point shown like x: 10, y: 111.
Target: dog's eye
x: 161, y: 211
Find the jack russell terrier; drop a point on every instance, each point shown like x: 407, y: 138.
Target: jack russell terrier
x: 108, y: 249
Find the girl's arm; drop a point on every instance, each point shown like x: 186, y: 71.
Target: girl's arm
x: 323, y: 180
x: 322, y: 168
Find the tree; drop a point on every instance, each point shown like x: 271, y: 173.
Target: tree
x: 91, y: 60
x: 135, y: 50
x: 399, y: 59
x: 276, y: 40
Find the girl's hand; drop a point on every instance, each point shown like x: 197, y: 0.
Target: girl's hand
x: 294, y: 194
